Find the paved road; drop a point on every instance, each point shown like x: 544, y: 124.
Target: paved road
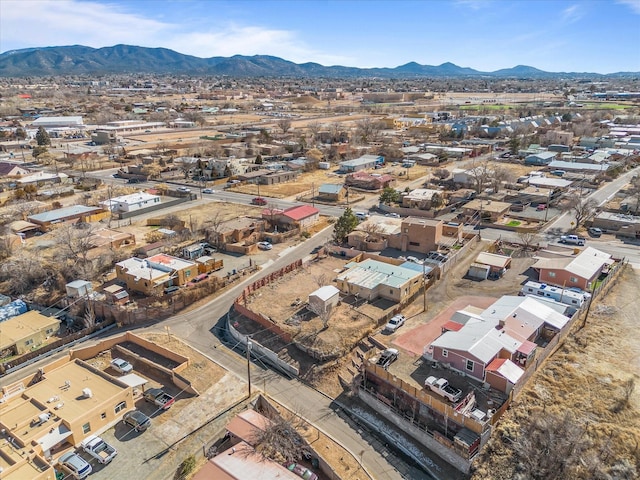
x: 203, y: 328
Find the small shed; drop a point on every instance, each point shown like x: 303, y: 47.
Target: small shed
x: 116, y: 294
x: 324, y: 298
x: 498, y: 264
x: 78, y: 288
x: 478, y: 271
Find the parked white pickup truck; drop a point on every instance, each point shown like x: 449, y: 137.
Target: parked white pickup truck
x: 572, y: 240
x: 441, y: 387
x: 99, y: 449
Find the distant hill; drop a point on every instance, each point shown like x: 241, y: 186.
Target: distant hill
x: 81, y: 60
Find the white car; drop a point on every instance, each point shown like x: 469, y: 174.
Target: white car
x: 184, y: 189
x: 208, y: 190
x: 395, y: 323
x: 264, y: 246
x: 78, y: 465
x: 121, y: 366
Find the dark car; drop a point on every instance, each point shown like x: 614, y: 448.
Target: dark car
x: 137, y: 420
x: 134, y: 180
x: 171, y: 289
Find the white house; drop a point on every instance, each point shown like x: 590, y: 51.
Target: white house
x: 129, y: 203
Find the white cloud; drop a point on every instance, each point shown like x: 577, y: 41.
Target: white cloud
x: 634, y: 5
x: 69, y: 22
x: 572, y: 14
x: 474, y: 4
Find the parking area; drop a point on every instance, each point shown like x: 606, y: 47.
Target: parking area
x: 149, y: 454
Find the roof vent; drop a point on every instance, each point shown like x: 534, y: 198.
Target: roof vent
x: 87, y: 393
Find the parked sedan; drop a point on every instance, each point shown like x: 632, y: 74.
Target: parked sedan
x: 395, y: 323
x: 264, y: 246
x: 121, y: 366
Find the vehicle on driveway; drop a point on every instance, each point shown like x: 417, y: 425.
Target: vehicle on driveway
x: 264, y: 246
x: 387, y: 357
x: 595, y: 232
x: 121, y: 366
x: 302, y: 471
x: 99, y: 449
x: 137, y: 420
x: 159, y: 398
x: 441, y: 387
x: 395, y: 323
x: 79, y: 467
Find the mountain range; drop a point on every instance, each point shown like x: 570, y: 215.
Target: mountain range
x: 123, y: 59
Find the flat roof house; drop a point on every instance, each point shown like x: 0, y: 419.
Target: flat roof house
x: 66, y: 214
x: 150, y: 275
x: 129, y: 203
x: 25, y: 332
x: 362, y: 163
x: 54, y: 410
x: 371, y: 279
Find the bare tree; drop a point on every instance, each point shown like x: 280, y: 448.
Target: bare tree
x: 581, y: 207
x: 480, y: 175
x: 76, y: 241
x: 284, y: 124
x: 500, y: 175
x: 373, y: 231
x: 212, y: 227
x: 321, y: 279
x: 550, y: 447
x: 367, y: 130
x: 314, y: 128
x: 279, y: 440
x: 528, y: 240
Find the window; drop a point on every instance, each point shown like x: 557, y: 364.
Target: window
x: 29, y: 342
x: 470, y: 365
x: 121, y: 406
x: 552, y: 274
x: 86, y: 428
x: 406, y: 230
x: 187, y: 273
x: 103, y: 415
x: 49, y: 330
x: 414, y: 244
x: 573, y: 280
x: 445, y: 353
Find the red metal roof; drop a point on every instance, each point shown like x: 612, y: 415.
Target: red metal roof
x: 495, y: 364
x: 301, y: 212
x: 452, y: 326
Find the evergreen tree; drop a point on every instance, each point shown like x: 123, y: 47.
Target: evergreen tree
x: 42, y: 137
x: 344, y: 225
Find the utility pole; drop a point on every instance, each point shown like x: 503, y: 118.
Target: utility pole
x: 249, y: 364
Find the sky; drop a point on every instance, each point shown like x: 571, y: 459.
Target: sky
x: 601, y: 36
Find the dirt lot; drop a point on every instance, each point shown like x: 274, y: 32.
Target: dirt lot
x: 589, y: 388
x: 305, y: 182
x: 346, y: 326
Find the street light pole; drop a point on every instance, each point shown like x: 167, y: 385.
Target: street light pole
x: 249, y: 364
